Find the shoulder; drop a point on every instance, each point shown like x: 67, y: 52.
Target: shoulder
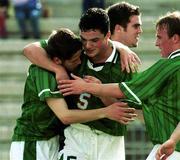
x: 40, y: 72
x: 43, y: 43
x: 168, y: 63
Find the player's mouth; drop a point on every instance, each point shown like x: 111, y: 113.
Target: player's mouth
x: 89, y: 51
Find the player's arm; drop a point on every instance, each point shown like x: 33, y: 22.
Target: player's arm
x: 118, y: 111
x: 129, y: 59
x: 78, y: 86
x: 168, y: 147
x: 106, y: 100
x: 109, y: 100
x: 37, y: 55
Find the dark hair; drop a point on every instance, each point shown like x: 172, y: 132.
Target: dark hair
x: 63, y: 43
x: 94, y: 19
x: 120, y: 13
x: 171, y: 21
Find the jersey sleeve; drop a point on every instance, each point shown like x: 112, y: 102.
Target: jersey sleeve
x: 45, y: 81
x: 43, y: 43
x: 46, y: 84
x: 149, y: 82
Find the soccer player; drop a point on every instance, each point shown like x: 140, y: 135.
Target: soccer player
x: 125, y: 24
x: 126, y: 28
x: 44, y: 111
x: 157, y: 89
x: 104, y: 139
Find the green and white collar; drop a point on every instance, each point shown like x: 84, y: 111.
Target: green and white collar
x: 112, y: 58
x: 174, y: 54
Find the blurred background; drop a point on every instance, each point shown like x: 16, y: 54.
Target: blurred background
x: 66, y: 13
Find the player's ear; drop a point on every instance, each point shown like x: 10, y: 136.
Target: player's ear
x: 176, y: 38
x: 119, y: 28
x: 57, y: 60
x: 107, y: 37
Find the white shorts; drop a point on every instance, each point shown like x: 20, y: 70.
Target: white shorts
x: 40, y: 150
x: 83, y: 143
x: 151, y: 156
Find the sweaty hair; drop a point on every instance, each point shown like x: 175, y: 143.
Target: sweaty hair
x: 63, y: 43
x: 120, y: 13
x: 94, y: 19
x: 171, y: 21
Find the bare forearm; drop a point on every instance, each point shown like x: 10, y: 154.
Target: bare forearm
x: 176, y: 134
x: 108, y: 100
x: 111, y: 90
x: 37, y: 55
x: 67, y: 116
x: 117, y: 111
x: 82, y: 116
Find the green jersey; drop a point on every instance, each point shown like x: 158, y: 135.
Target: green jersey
x: 37, y: 121
x: 108, y: 72
x: 158, y: 89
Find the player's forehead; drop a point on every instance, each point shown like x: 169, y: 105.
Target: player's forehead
x: 91, y: 34
x: 135, y: 20
x: 161, y: 31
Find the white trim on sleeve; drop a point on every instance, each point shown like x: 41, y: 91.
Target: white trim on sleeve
x: 47, y: 90
x: 129, y: 90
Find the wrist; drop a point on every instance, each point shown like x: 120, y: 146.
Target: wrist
x: 173, y: 140
x: 86, y: 87
x: 104, y: 113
